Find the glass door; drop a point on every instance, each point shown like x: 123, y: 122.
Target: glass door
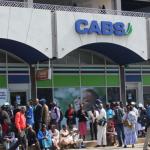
x: 132, y: 92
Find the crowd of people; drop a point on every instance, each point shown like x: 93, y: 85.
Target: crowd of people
x: 39, y: 125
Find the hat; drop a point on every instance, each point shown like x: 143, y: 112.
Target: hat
x: 42, y: 101
x: 132, y: 103
x: 141, y: 105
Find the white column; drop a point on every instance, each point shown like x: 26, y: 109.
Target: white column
x: 118, y: 4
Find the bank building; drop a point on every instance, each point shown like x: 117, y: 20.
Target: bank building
x: 75, y: 50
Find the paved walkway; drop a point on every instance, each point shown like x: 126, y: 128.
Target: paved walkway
x: 137, y: 147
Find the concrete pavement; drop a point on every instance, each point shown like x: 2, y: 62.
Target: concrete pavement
x: 137, y: 147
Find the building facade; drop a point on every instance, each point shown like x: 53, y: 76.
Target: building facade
x: 91, y: 52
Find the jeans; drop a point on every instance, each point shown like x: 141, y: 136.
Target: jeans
x: 120, y: 134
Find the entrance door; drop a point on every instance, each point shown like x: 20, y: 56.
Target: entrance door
x: 18, y: 97
x: 133, y: 91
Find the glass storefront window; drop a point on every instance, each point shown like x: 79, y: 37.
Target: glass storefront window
x: 45, y: 93
x: 113, y: 94
x: 146, y: 94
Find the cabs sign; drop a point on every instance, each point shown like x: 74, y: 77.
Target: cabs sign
x: 83, y: 26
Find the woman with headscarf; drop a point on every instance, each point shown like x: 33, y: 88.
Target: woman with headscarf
x: 129, y: 121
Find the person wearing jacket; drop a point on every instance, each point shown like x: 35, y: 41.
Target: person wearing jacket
x: 20, y: 123
x: 29, y: 114
x: 37, y: 110
x: 45, y: 138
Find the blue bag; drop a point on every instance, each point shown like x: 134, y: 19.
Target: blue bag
x: 46, y: 143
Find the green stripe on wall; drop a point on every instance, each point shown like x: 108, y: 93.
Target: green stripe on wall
x: 113, y: 80
x: 74, y: 80
x: 66, y: 80
x: 44, y: 83
x: 146, y: 79
x: 93, y: 80
x: 3, y: 81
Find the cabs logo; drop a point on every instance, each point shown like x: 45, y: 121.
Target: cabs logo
x: 102, y: 28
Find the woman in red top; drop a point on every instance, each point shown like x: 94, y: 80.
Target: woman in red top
x: 70, y: 116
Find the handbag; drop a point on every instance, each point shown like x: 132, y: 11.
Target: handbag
x: 46, y: 143
x: 102, y: 122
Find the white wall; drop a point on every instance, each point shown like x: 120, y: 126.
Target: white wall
x: 29, y: 26
x: 68, y: 40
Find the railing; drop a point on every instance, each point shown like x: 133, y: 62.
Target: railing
x: 74, y: 9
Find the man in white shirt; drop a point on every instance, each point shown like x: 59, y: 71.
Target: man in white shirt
x: 101, y: 126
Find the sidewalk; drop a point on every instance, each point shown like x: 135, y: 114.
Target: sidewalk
x: 93, y: 143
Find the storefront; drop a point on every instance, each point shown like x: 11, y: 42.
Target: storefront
x: 84, y: 52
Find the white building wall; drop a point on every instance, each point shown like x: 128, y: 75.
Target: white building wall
x: 29, y: 26
x: 68, y: 40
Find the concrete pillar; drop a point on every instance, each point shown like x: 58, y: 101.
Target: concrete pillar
x: 122, y: 81
x: 118, y: 4
x: 33, y: 82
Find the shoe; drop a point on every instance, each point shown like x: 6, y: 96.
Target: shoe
x: 119, y: 146
x: 83, y: 146
x: 97, y: 146
x: 103, y: 145
x: 125, y: 146
x: 133, y: 145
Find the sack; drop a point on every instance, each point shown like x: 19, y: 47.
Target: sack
x: 46, y: 143
x: 102, y: 122
x: 126, y: 123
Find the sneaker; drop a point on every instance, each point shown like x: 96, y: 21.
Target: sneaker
x: 125, y: 146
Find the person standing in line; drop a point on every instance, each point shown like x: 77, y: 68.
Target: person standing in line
x: 118, y: 118
x: 133, y: 104
x: 147, y: 137
x: 101, y: 126
x: 29, y: 114
x: 70, y: 116
x: 83, y: 117
x: 20, y: 123
x: 93, y: 124
x: 45, y: 112
x: 37, y: 110
x: 129, y: 122
x: 55, y: 115
x: 4, y: 121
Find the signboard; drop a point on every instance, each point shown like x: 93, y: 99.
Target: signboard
x: 3, y: 96
x: 43, y: 74
x: 83, y: 26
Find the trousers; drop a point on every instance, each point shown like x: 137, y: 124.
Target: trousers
x: 101, y: 135
x: 147, y: 138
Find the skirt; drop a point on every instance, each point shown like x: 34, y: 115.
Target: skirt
x: 82, y: 128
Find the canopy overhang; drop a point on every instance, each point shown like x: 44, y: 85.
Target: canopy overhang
x: 119, y: 54
x: 25, y: 52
